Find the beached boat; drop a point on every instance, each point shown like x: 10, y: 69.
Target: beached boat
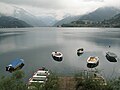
x: 80, y: 51
x: 15, y: 65
x: 112, y: 57
x: 58, y: 56
x: 40, y: 76
x: 92, y: 62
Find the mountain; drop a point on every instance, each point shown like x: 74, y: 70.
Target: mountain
x: 10, y: 22
x: 113, y: 22
x: 27, y: 17
x: 21, y: 14
x: 48, y: 20
x: 100, y: 14
x: 67, y: 20
x: 97, y: 18
x: 115, y: 19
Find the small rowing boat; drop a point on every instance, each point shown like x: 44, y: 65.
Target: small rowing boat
x: 15, y: 65
x: 80, y: 51
x: 92, y: 62
x: 58, y: 56
x: 112, y: 57
x: 40, y: 76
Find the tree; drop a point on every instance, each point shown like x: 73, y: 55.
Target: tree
x: 14, y: 82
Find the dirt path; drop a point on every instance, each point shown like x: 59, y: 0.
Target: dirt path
x: 66, y: 83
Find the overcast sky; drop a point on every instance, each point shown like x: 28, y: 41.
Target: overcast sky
x: 59, y: 8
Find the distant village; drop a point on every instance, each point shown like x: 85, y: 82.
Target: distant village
x: 89, y: 23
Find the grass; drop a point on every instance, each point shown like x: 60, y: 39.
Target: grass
x: 81, y: 81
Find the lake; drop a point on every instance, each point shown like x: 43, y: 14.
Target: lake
x: 35, y: 46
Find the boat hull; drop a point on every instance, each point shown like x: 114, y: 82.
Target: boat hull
x: 12, y: 69
x: 110, y: 58
x: 80, y: 51
x: 39, y: 76
x: 57, y: 58
x: 92, y: 62
x: 92, y: 65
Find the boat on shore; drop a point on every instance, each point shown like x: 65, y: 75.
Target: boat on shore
x: 40, y: 76
x: 15, y: 65
x: 58, y: 56
x: 92, y: 62
x: 112, y: 57
x: 80, y: 51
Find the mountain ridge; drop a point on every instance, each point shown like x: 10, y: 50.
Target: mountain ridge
x: 113, y: 22
x: 66, y: 20
x: 11, y: 22
x: 101, y: 14
x: 98, y: 15
x: 21, y: 14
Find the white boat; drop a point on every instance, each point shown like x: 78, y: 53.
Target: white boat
x: 58, y: 56
x: 80, y: 51
x: 92, y: 62
x: 39, y: 76
x: 112, y: 57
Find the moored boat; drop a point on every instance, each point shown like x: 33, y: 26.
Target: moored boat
x: 80, y: 51
x: 112, y: 57
x: 40, y: 76
x: 92, y: 62
x: 58, y: 56
x: 15, y: 65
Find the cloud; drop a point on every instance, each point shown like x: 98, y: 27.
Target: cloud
x: 6, y: 9
x: 60, y: 4
x: 52, y: 4
x: 59, y: 8
x: 115, y: 3
x: 73, y: 8
x: 94, y: 0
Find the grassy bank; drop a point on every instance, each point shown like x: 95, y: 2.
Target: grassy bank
x: 80, y: 81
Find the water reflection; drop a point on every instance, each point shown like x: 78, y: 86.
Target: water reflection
x: 35, y: 46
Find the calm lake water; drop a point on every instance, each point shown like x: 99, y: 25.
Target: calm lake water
x: 35, y: 46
